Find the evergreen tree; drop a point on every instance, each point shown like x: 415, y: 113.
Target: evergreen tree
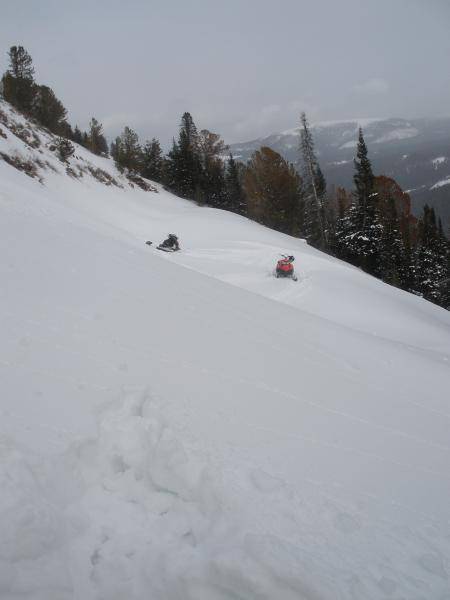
x: 444, y: 263
x: 77, y: 135
x: 236, y: 201
x: 20, y: 63
x: 96, y: 140
x: 366, y: 225
x: 391, y: 255
x: 48, y: 110
x: 407, y: 270
x: 431, y: 259
x: 127, y: 152
x: 345, y: 232
x: 152, y: 161
x: 114, y: 149
x: 364, y: 184
x: 313, y: 196
x: 18, y: 82
x: 185, y: 168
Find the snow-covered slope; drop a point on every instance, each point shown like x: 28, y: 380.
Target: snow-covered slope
x: 188, y: 427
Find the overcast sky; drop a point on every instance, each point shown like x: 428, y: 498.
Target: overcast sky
x: 243, y: 68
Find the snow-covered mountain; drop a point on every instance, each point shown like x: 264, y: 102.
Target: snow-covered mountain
x: 188, y: 426
x: 416, y: 153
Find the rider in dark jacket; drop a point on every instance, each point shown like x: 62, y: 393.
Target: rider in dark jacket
x: 171, y: 242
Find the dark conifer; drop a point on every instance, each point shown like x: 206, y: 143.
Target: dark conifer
x: 152, y: 161
x: 77, y: 135
x: 366, y: 226
x: 430, y: 258
x: 186, y: 169
x: 48, y: 110
x: 127, y: 152
x: 96, y: 140
x: 17, y: 82
x: 236, y: 201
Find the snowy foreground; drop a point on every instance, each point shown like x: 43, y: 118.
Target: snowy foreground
x: 188, y: 427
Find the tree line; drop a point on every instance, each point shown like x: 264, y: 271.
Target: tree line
x: 370, y: 226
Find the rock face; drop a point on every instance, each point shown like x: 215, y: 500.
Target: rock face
x: 416, y: 153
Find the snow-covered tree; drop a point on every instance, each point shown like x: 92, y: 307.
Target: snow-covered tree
x: 431, y: 259
x: 365, y: 242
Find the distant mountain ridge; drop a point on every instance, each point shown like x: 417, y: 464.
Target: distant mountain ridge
x: 415, y: 152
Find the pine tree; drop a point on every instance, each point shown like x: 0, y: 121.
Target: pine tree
x: 407, y: 270
x: 96, y: 140
x: 48, y: 110
x: 18, y: 82
x: 431, y: 259
x: 337, y: 206
x: 313, y: 197
x: 444, y: 262
x: 391, y: 255
x: 114, y: 150
x: 236, y: 201
x: 366, y: 225
x: 185, y: 166
x: 127, y: 152
x: 345, y: 232
x: 77, y: 135
x: 20, y: 63
x: 152, y: 161
x: 364, y: 183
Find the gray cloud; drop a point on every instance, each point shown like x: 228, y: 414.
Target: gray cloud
x: 376, y: 85
x: 244, y: 69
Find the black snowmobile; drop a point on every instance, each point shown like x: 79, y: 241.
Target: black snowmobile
x: 170, y: 244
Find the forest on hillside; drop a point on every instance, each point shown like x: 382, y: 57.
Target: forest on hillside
x: 370, y: 226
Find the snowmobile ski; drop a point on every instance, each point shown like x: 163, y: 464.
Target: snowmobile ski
x: 166, y: 249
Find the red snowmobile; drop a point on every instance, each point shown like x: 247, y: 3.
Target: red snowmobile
x: 285, y: 268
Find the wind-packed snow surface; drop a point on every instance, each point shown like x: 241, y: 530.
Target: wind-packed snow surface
x: 188, y: 427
